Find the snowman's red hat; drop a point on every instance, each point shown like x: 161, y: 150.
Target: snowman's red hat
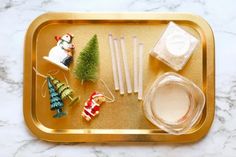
x: 57, y: 38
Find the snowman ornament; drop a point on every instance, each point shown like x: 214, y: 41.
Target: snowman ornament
x: 61, y: 54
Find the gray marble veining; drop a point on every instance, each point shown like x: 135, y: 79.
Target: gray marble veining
x: 17, y: 141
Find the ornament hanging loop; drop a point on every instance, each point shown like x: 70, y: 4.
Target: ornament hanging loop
x: 52, y: 72
x: 108, y: 99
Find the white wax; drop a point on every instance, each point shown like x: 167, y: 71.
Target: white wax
x: 135, y: 64
x: 140, y: 72
x: 113, y: 59
x: 177, y: 44
x: 171, y: 102
x: 119, y: 67
x: 126, y: 65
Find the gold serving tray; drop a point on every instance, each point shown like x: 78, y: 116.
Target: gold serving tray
x: 123, y: 120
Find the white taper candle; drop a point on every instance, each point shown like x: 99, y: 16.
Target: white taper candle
x: 113, y: 59
x: 126, y: 66
x: 119, y: 68
x: 135, y: 65
x: 140, y: 73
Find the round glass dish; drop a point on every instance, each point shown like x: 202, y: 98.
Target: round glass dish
x: 173, y: 103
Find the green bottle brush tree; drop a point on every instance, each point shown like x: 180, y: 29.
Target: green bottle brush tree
x: 87, y: 62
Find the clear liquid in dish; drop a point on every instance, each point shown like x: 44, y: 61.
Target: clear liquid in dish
x: 171, y: 102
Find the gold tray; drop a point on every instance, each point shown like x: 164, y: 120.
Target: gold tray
x: 122, y: 121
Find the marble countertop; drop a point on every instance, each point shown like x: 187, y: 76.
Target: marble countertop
x: 17, y: 141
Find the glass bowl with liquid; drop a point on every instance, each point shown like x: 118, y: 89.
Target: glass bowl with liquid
x: 173, y: 103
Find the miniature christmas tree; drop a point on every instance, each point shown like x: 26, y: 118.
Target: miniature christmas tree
x: 55, y: 100
x: 87, y: 62
x: 64, y: 90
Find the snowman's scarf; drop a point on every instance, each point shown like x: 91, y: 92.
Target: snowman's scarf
x: 61, y: 43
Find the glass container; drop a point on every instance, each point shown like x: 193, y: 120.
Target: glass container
x: 173, y: 103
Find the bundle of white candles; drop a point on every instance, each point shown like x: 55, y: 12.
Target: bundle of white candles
x: 118, y: 48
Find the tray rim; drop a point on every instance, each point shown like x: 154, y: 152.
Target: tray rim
x: 119, y: 135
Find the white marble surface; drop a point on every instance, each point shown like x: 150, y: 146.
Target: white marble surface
x: 15, y: 139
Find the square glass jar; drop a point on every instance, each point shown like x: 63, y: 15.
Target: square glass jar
x: 175, y: 46
x: 173, y: 103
